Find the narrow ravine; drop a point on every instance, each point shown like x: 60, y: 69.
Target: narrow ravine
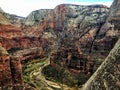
x: 34, y: 77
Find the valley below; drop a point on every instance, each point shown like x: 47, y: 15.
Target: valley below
x: 70, y: 47
x: 34, y: 77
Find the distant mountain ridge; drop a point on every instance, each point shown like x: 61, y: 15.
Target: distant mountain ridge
x: 11, y: 18
x: 78, y: 38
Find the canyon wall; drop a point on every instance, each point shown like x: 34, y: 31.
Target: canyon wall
x: 77, y: 37
x: 107, y: 75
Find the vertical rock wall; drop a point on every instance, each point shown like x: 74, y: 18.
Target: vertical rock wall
x: 16, y: 71
x: 107, y: 76
x: 10, y: 71
x: 5, y: 71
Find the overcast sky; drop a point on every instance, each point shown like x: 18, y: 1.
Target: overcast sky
x: 24, y: 7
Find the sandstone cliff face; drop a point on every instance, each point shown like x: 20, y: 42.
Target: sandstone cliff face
x: 107, y: 75
x: 5, y: 71
x: 111, y: 27
x: 81, y: 36
x: 92, y: 40
x: 68, y: 23
x: 10, y: 70
x: 67, y: 18
x: 77, y: 29
x: 23, y: 42
x: 80, y: 23
x: 29, y: 54
x: 36, y: 17
x: 10, y: 31
x: 7, y: 28
x: 20, y: 47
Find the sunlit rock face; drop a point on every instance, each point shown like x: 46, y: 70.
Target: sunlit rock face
x: 80, y: 37
x: 20, y: 47
x: 80, y: 45
x: 10, y: 31
x: 36, y: 17
x: 107, y: 75
x: 81, y: 24
x: 10, y: 19
x: 14, y: 19
x: 76, y: 29
x: 67, y: 17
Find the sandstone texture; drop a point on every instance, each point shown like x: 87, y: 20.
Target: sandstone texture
x: 36, y: 17
x: 77, y: 38
x: 107, y: 76
x: 80, y: 45
x: 5, y: 71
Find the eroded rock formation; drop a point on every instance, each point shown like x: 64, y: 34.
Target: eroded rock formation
x: 80, y: 38
x: 5, y: 70
x: 78, y: 28
x: 107, y: 75
x: 36, y: 17
x: 10, y: 70
x: 10, y: 18
x: 82, y: 30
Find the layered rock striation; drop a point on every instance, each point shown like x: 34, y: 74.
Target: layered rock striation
x: 107, y: 75
x: 80, y: 37
x: 77, y: 29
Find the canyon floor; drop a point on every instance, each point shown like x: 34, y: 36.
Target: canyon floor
x: 34, y: 77
x: 61, y: 48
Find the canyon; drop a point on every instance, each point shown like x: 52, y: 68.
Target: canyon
x: 77, y: 39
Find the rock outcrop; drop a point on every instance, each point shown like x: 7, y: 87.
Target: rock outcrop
x: 5, y: 70
x: 10, y: 70
x: 78, y: 27
x: 107, y: 76
x: 80, y: 38
x: 10, y: 31
x: 6, y: 18
x: 23, y: 42
x: 10, y: 64
x: 36, y: 17
x: 29, y: 54
x: 14, y: 19
x: 93, y: 36
x: 3, y: 19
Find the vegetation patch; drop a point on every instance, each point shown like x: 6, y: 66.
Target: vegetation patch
x: 64, y: 76
x: 15, y: 49
x: 28, y: 70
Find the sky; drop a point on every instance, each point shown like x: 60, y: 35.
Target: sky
x: 24, y: 7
